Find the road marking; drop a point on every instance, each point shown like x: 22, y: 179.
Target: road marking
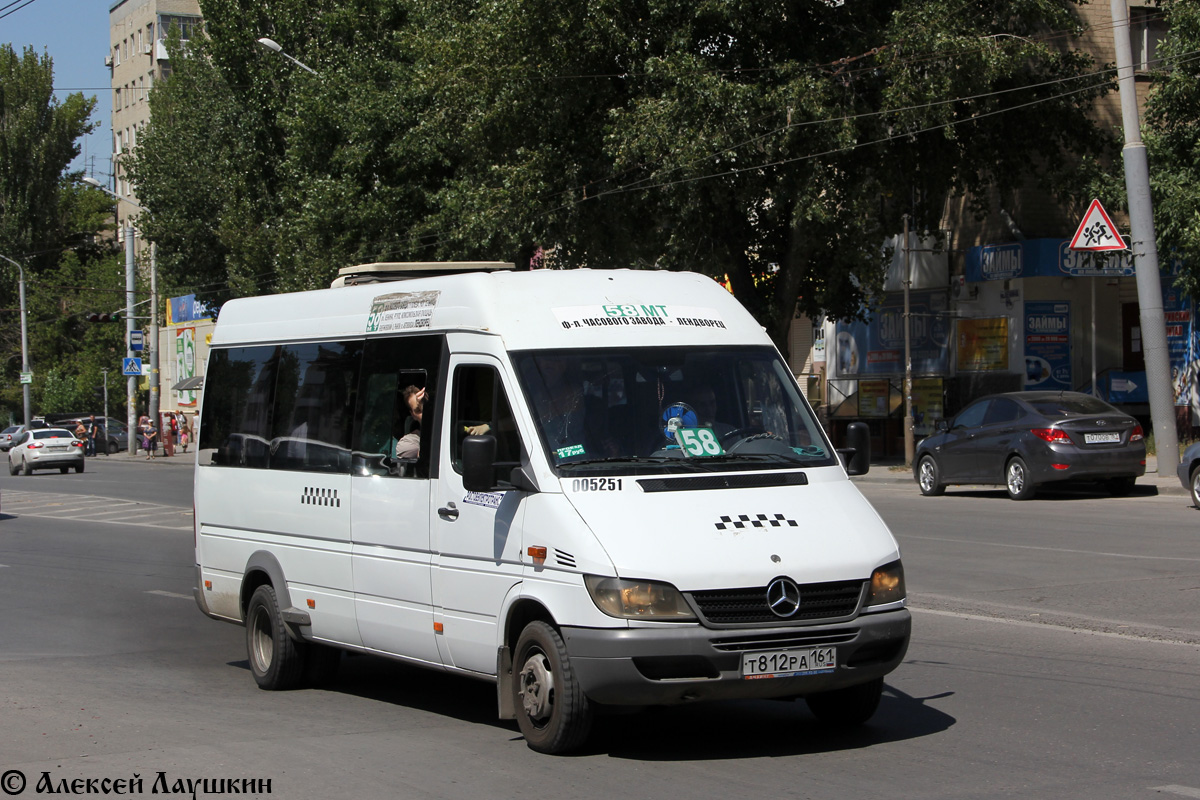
x: 1048, y: 549
x: 1024, y: 623
x: 1182, y: 791
x: 89, y: 508
x: 165, y: 593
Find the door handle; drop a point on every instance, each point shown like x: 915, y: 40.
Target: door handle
x: 448, y: 512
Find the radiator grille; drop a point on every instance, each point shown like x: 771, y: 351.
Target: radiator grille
x: 748, y: 606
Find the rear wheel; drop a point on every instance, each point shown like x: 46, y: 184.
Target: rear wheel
x: 64, y: 470
x: 112, y: 447
x: 928, y: 477
x: 552, y: 711
x: 78, y: 467
x: 276, y: 660
x: 1196, y: 487
x: 1016, y: 479
x: 26, y: 467
x: 845, y: 708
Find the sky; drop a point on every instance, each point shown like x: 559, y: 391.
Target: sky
x: 75, y: 35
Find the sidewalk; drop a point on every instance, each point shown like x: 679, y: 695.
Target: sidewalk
x: 1166, y: 483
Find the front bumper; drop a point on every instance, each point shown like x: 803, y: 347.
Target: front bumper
x: 667, y: 666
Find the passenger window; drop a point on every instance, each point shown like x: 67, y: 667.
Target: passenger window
x: 314, y: 402
x: 1002, y: 410
x: 481, y: 406
x: 235, y: 426
x: 390, y: 439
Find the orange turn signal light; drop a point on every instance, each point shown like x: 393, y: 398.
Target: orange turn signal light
x: 437, y: 627
x: 208, y: 585
x: 312, y: 603
x: 537, y: 553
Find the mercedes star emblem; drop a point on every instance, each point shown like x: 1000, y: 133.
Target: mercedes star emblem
x: 783, y: 597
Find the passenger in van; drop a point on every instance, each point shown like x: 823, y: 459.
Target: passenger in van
x: 703, y: 401
x: 409, y: 445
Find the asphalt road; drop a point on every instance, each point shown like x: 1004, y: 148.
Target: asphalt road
x: 1054, y: 655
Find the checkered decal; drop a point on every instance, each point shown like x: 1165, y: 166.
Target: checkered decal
x: 314, y: 496
x: 757, y: 521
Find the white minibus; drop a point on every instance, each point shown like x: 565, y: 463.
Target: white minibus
x: 597, y: 489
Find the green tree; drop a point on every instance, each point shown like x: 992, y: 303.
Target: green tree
x: 39, y: 137
x: 1172, y: 111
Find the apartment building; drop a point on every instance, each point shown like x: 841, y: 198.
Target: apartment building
x: 137, y: 57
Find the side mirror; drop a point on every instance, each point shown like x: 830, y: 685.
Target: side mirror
x: 856, y: 455
x: 942, y: 425
x: 479, y: 463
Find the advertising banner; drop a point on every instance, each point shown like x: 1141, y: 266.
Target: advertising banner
x: 982, y: 344
x: 876, y: 347
x: 873, y: 397
x: 928, y: 404
x: 1048, y: 345
x: 185, y: 364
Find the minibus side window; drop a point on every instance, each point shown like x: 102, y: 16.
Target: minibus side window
x: 481, y: 405
x: 314, y: 401
x: 389, y: 367
x: 235, y: 426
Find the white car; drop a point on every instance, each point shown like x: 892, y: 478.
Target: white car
x: 6, y: 436
x: 46, y: 448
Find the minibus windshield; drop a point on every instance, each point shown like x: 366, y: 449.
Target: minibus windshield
x: 669, y: 409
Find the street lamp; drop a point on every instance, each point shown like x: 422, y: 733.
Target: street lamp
x: 131, y: 409
x: 271, y: 44
x: 24, y: 337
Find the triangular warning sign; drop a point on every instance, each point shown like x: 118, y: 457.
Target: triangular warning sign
x: 1097, y: 231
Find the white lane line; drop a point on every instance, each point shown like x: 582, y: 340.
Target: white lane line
x: 165, y: 593
x: 1182, y: 791
x: 1022, y: 623
x: 1048, y: 549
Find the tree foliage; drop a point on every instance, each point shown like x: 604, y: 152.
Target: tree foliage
x: 776, y: 142
x: 1173, y: 147
x: 48, y: 223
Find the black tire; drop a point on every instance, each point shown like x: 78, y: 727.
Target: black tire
x: 79, y: 467
x: 112, y: 448
x: 26, y: 467
x: 276, y: 660
x: 552, y: 711
x: 1017, y: 481
x: 1120, y: 487
x: 1195, y: 483
x: 929, y: 477
x: 321, y: 665
x: 13, y: 469
x: 846, y: 708
x: 64, y: 470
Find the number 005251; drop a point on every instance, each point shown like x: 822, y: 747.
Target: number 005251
x: 789, y: 662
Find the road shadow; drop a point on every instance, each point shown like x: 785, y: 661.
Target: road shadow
x: 705, y: 731
x: 1056, y: 493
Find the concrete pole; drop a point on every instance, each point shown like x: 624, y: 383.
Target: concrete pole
x: 130, y: 305
x: 1145, y: 253
x: 24, y: 345
x: 909, y: 445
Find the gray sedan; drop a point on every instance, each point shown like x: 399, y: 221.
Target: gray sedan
x: 1189, y: 472
x: 1023, y: 440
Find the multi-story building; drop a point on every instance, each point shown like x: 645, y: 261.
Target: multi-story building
x: 138, y: 31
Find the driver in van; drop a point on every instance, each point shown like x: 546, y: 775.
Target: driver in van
x: 409, y: 445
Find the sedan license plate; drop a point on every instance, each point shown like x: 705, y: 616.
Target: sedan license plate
x: 788, y: 663
x: 1101, y: 438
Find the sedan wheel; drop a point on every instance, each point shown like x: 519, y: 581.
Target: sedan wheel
x: 928, y: 478
x: 1196, y: 487
x: 1016, y: 479
x: 26, y: 467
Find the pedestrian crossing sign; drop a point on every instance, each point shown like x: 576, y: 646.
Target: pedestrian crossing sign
x: 1097, y: 231
x: 131, y: 366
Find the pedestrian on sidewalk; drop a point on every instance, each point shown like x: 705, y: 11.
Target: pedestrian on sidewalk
x: 149, y: 437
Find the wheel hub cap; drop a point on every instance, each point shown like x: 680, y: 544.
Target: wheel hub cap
x: 537, y: 682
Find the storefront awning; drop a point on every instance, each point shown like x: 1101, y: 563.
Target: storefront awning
x: 189, y: 384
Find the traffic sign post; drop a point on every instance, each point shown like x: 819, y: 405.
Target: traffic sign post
x: 136, y: 341
x: 1097, y: 231
x: 26, y: 377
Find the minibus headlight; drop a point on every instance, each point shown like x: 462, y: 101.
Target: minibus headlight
x: 887, y: 585
x: 628, y: 599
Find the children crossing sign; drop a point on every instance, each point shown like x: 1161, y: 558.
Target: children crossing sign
x: 1097, y: 231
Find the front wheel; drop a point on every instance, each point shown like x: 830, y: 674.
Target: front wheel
x: 1196, y: 487
x: 928, y: 478
x: 13, y: 469
x: 276, y: 661
x: 845, y: 708
x: 1016, y: 479
x: 552, y: 711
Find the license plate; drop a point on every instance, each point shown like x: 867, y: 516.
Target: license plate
x: 1101, y: 438
x: 788, y: 663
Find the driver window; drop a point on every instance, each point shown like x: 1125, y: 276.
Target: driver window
x: 972, y: 416
x: 481, y: 407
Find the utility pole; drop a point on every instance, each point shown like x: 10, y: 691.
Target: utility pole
x: 155, y: 399
x: 909, y: 446
x: 1145, y: 253
x: 131, y: 381
x: 105, y: 371
x: 24, y: 337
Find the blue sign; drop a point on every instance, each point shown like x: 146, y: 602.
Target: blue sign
x: 1048, y: 345
x: 186, y: 309
x: 136, y: 340
x: 1041, y: 258
x: 876, y: 347
x: 131, y: 366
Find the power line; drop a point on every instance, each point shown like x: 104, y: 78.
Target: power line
x: 15, y: 10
